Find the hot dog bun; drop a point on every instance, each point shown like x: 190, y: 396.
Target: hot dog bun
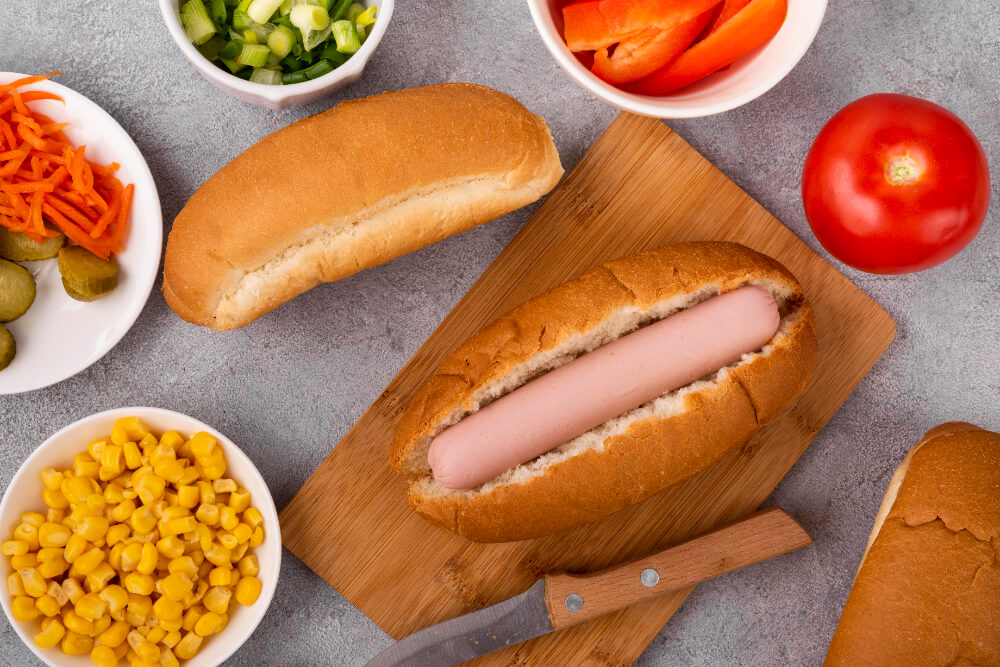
x: 350, y: 188
x: 928, y: 588
x: 633, y: 456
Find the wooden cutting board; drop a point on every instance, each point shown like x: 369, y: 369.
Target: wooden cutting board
x: 639, y: 186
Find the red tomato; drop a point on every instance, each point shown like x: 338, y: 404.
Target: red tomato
x: 895, y: 184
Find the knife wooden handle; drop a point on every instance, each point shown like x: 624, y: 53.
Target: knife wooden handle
x: 572, y: 599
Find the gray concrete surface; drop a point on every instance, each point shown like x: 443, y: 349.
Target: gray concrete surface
x: 289, y: 386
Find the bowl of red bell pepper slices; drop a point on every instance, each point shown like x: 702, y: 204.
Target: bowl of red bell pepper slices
x: 678, y: 58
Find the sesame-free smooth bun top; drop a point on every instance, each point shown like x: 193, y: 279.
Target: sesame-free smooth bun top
x: 928, y: 590
x: 350, y: 188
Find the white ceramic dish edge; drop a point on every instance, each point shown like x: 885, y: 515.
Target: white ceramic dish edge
x: 25, y: 489
x: 279, y: 97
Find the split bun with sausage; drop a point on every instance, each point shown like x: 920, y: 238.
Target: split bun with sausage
x: 350, y: 188
x: 927, y: 591
x: 605, y: 390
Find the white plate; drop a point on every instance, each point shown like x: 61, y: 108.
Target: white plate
x: 59, y: 337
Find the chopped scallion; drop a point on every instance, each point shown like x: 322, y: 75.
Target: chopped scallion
x: 197, y: 24
x: 339, y: 10
x: 219, y: 12
x: 362, y: 33
x: 331, y: 53
x: 367, y: 17
x: 313, y: 39
x: 253, y: 55
x: 212, y: 47
x: 267, y: 76
x: 345, y: 33
x: 280, y: 40
x: 244, y: 4
x: 319, y: 69
x: 285, y: 8
x: 241, y: 20
x: 354, y: 10
x: 309, y: 18
x: 261, y: 11
x: 231, y: 50
x: 294, y: 77
x: 232, y: 65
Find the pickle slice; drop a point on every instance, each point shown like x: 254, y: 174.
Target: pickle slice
x: 17, y: 290
x: 17, y: 247
x: 85, y: 276
x: 7, y: 348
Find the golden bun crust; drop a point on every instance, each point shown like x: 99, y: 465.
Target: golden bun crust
x: 350, y: 188
x: 648, y: 453
x: 928, y: 588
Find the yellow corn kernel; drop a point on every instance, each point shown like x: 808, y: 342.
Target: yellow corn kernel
x: 76, y: 489
x: 155, y: 634
x: 51, y: 478
x: 122, y: 650
x: 171, y: 470
x: 140, y: 584
x: 148, y: 444
x: 55, y: 499
x: 188, y: 646
x: 208, y: 624
x: 192, y: 615
x: 24, y: 561
x: 202, y: 444
x: 171, y: 639
x: 89, y: 561
x: 115, y: 634
x: 54, y: 516
x: 168, y: 659
x: 143, y: 520
x: 150, y: 488
x: 56, y: 592
x: 214, y: 470
x: 113, y: 458
x: 115, y: 554
x: 217, y: 599
x: 96, y: 447
x: 27, y: 533
x: 51, y: 634
x: 75, y: 643
x: 239, y: 552
x: 171, y: 547
x: 176, y: 586
x: 52, y: 535
x: 118, y: 533
x: 34, y: 583
x: 76, y: 546
x: 175, y: 512
x: 206, y: 493
x: 258, y: 537
x: 14, y: 548
x: 77, y: 623
x: 96, y: 504
x: 167, y: 609
x: 130, y: 556
x: 133, y: 457
x: 146, y: 650
x: 102, y: 624
x: 99, y: 578
x: 180, y: 525
x: 218, y: 555
x: 47, y: 605
x: 33, y: 519
x: 224, y: 486
x: 14, y: 586
x: 147, y: 560
x: 158, y: 508
x: 228, y: 540
x: 189, y: 476
x: 104, y: 656
x: 239, y: 500
x: 92, y: 528
x: 205, y: 569
x: 113, y: 493
x: 114, y: 596
x: 171, y: 439
x: 46, y: 554
x: 88, y: 469
x: 53, y: 568
x: 207, y: 514
x: 248, y: 590
x: 170, y: 625
x: 220, y: 576
x: 182, y: 565
x: 23, y: 608
x: 249, y: 566
x: 128, y: 428
x: 123, y: 511
x: 187, y: 496
x: 72, y: 589
x: 91, y: 607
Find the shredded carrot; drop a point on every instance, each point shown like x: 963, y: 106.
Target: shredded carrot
x: 45, y: 180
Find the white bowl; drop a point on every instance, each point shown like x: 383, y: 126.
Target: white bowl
x: 59, y: 336
x: 23, y: 494
x: 745, y: 80
x: 279, y: 97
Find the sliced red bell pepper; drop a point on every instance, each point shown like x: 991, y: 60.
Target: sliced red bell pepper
x: 597, y: 24
x: 756, y: 23
x: 640, y: 56
x: 730, y: 8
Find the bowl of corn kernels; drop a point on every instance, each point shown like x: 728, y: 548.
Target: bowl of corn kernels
x: 137, y: 536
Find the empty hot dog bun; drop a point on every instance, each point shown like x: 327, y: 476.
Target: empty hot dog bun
x: 928, y: 588
x: 350, y: 188
x: 632, y: 456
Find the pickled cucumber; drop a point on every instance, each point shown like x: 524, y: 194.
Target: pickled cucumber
x: 85, y: 276
x: 7, y: 348
x: 17, y: 290
x: 17, y: 247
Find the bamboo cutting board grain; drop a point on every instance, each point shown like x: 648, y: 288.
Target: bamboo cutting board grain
x: 639, y: 186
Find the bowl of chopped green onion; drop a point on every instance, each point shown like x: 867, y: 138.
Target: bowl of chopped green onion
x: 278, y: 53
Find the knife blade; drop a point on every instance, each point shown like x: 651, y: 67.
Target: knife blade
x: 558, y: 601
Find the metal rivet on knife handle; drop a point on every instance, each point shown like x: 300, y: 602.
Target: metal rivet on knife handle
x: 649, y: 577
x: 574, y: 602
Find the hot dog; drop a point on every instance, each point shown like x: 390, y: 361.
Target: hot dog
x: 605, y: 390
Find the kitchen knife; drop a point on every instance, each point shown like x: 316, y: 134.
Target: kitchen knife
x: 557, y: 601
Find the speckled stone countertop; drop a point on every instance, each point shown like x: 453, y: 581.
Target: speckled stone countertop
x: 287, y: 387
